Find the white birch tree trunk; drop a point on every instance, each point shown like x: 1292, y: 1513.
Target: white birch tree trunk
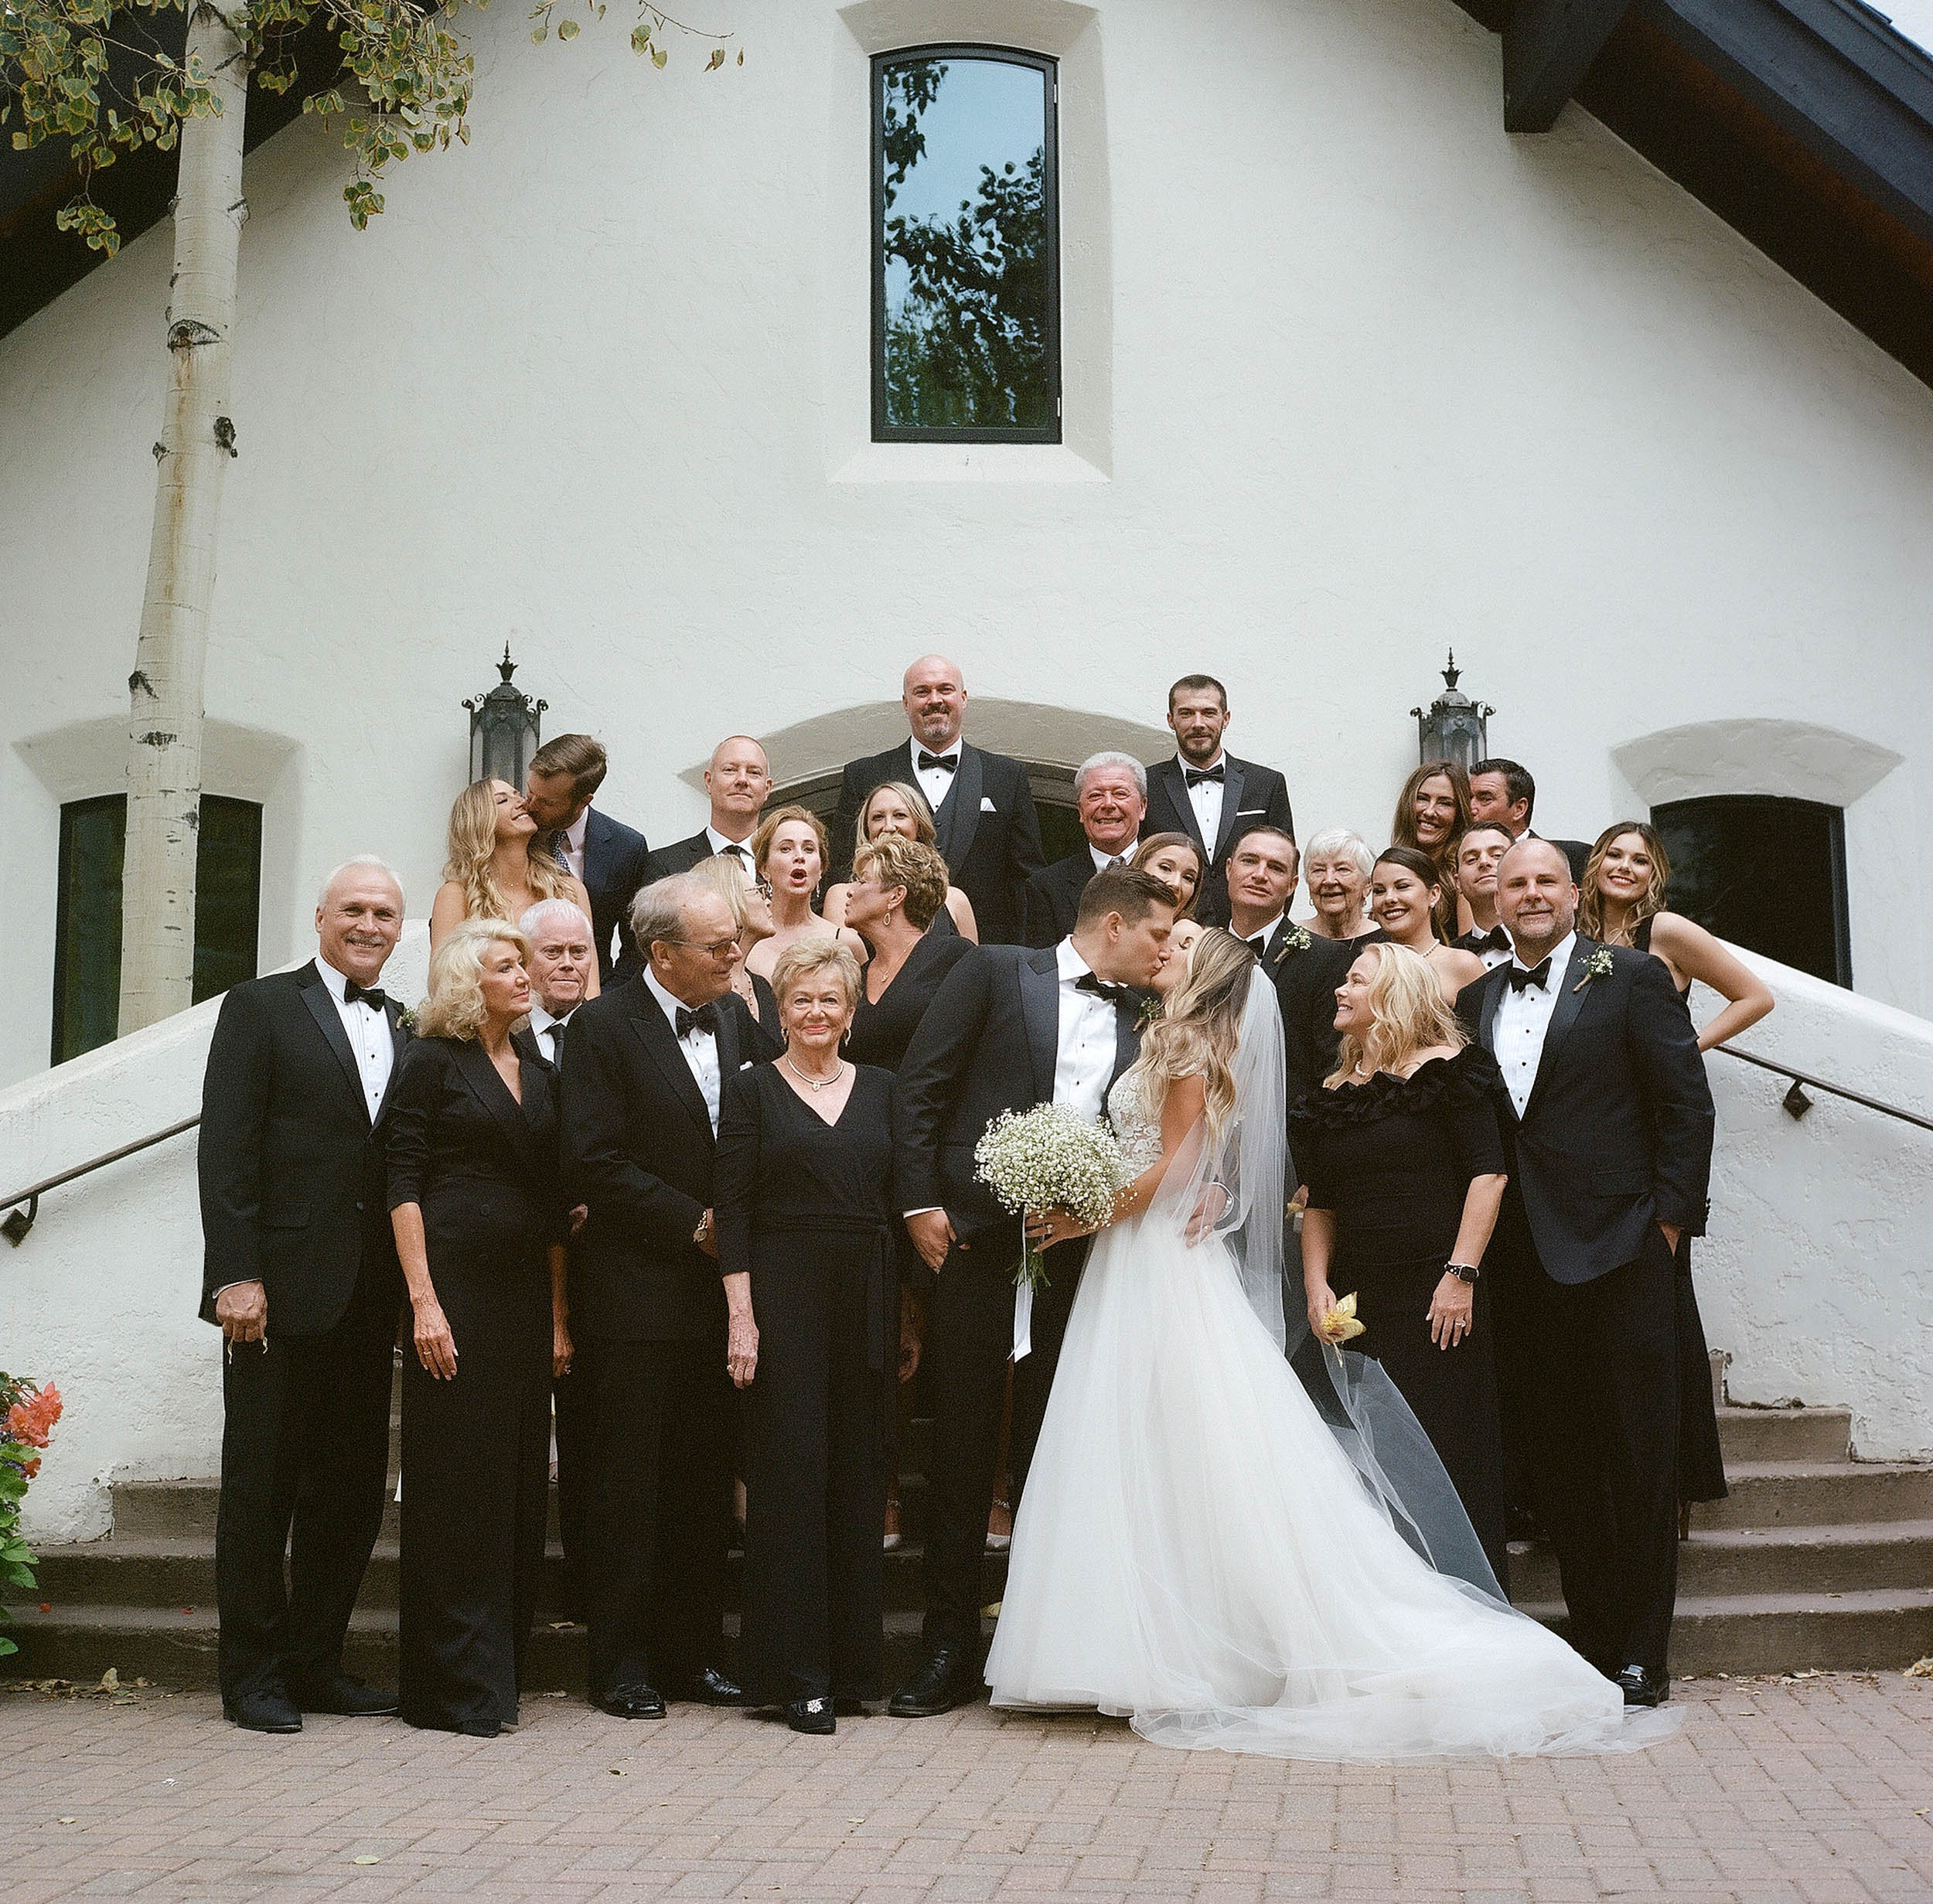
x: 165, y: 691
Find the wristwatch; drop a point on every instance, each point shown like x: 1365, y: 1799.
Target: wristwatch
x: 1463, y: 1271
x: 702, y: 1234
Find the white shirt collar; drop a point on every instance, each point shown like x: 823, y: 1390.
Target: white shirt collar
x: 573, y: 833
x: 1187, y: 766
x: 1559, y: 955
x: 1069, y: 964
x: 1264, y: 933
x: 542, y: 1018
x: 718, y: 843
x: 1103, y: 861
x: 915, y: 747
x: 670, y: 1007
x: 337, y: 982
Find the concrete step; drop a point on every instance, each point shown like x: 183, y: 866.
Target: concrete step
x: 1809, y: 1434
x: 1819, y: 1493
x: 1779, y: 1559
x: 1883, y: 1628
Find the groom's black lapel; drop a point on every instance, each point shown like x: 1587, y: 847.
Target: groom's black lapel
x: 1040, y: 1006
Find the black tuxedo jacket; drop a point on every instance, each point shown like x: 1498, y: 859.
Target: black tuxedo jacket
x: 680, y: 857
x: 615, y: 857
x: 1252, y: 795
x: 1617, y: 1134
x: 1576, y: 851
x: 638, y: 1150
x: 1306, y: 977
x: 987, y: 1043
x: 293, y: 1176
x: 1051, y: 897
x: 989, y: 833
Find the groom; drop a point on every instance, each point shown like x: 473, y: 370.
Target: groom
x: 1008, y: 1030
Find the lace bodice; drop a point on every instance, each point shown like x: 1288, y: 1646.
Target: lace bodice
x: 1136, y: 1128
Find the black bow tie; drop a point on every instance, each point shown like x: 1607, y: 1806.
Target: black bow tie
x: 1091, y: 981
x: 372, y: 994
x: 1496, y: 939
x: 946, y: 763
x: 1258, y: 945
x: 704, y: 1019
x: 1195, y: 775
x: 1538, y: 975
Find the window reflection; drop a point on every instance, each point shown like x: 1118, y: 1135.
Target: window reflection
x: 965, y: 294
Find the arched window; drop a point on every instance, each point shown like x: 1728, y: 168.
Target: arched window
x: 1766, y: 873
x: 965, y: 247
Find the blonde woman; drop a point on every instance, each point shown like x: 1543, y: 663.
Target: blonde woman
x: 897, y: 807
x: 1405, y: 1165
x: 789, y: 852
x: 494, y: 871
x: 1195, y: 1549
x: 750, y: 899
x: 474, y: 1169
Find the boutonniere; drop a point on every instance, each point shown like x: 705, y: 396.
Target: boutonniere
x: 406, y: 1018
x: 1151, y: 1010
x: 1597, y: 966
x: 1295, y: 939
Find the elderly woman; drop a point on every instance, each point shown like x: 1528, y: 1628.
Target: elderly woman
x: 897, y: 807
x: 480, y: 1225
x: 1335, y: 872
x: 805, y: 1234
x: 491, y: 871
x: 789, y: 853
x: 1176, y: 858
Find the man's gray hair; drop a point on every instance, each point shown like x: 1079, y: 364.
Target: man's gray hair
x: 658, y: 909
x: 1338, y: 840
x: 560, y: 915
x: 362, y: 863
x: 1095, y: 763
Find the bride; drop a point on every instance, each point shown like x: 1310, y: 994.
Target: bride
x: 1196, y: 1549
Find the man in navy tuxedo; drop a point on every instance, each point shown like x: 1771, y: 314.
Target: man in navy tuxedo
x: 606, y: 854
x: 1205, y: 793
x: 983, y: 808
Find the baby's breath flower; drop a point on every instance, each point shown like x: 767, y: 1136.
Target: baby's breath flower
x: 1048, y: 1158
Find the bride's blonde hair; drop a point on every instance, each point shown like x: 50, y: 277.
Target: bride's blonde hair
x: 1196, y: 1035
x: 1409, y: 1014
x: 472, y: 841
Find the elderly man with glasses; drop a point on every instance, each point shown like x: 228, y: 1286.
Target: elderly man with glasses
x: 642, y: 1079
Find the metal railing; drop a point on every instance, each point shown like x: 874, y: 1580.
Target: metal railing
x: 19, y: 1220
x: 1797, y: 1103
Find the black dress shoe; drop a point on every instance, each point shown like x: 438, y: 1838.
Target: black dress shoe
x: 262, y: 1712
x: 943, y: 1682
x: 709, y: 1687
x: 811, y: 1715
x: 1642, y: 1688
x: 637, y: 1701
x: 347, y: 1697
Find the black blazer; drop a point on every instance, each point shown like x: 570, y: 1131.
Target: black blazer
x: 989, y: 833
x: 680, y: 857
x: 639, y: 1150
x: 987, y: 1043
x: 1576, y: 851
x: 1617, y: 1134
x: 1252, y: 795
x: 292, y: 1174
x: 1051, y: 897
x: 615, y: 859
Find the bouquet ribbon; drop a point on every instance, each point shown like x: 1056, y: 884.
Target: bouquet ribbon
x: 1340, y: 1324
x: 1023, y: 1321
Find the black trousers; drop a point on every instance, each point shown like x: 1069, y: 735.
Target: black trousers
x: 815, y: 1482
x: 661, y: 1515
x: 1605, y: 1407
x: 304, y: 1450
x: 573, y: 1402
x: 970, y: 1332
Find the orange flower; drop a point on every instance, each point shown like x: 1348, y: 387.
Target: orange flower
x: 31, y: 1422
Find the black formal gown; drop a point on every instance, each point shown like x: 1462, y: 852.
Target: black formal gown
x: 1701, y: 1460
x: 881, y: 1030
x: 484, y: 1169
x: 1393, y: 1159
x: 806, y: 1207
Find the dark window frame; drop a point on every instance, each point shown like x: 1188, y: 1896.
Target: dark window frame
x: 1049, y: 68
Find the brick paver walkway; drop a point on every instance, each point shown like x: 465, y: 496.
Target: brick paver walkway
x: 1814, y: 1791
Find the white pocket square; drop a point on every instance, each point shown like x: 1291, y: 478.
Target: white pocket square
x: 748, y: 1064
x: 1249, y: 812
x: 986, y: 806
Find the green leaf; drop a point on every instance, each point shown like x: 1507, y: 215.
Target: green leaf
x: 658, y: 56
x: 717, y: 59
x: 566, y: 29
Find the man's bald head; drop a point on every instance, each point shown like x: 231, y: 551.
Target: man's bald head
x: 738, y: 781
x: 1536, y: 898
x: 934, y: 695
x: 737, y: 742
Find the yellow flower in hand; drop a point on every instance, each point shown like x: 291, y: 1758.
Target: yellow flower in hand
x: 1340, y: 1324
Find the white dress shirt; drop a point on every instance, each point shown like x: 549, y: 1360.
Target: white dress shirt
x: 1104, y: 860
x: 934, y: 782
x: 370, y: 1037
x: 740, y: 849
x: 699, y: 1047
x: 1517, y: 1032
x: 548, y: 1031
x: 1264, y: 933
x: 569, y: 844
x: 1494, y: 955
x: 1205, y: 797
x: 1084, y: 1060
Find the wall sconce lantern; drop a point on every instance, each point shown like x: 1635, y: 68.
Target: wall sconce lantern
x: 504, y: 729
x: 1456, y: 728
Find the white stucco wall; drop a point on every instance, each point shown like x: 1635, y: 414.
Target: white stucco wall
x: 1352, y: 376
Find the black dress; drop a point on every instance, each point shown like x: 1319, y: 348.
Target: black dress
x: 1701, y: 1460
x: 484, y: 1171
x: 1393, y: 1159
x: 806, y: 1208
x: 881, y: 1032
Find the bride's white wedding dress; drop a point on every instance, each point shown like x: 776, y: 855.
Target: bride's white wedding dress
x: 1196, y: 1551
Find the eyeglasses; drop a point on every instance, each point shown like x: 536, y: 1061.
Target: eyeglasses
x: 718, y: 947
x: 762, y: 887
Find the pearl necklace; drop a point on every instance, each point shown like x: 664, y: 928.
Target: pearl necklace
x: 815, y: 1084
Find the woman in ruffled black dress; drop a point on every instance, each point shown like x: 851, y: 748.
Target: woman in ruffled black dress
x: 1405, y: 1167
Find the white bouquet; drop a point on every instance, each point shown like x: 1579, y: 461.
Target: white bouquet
x: 1050, y: 1157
